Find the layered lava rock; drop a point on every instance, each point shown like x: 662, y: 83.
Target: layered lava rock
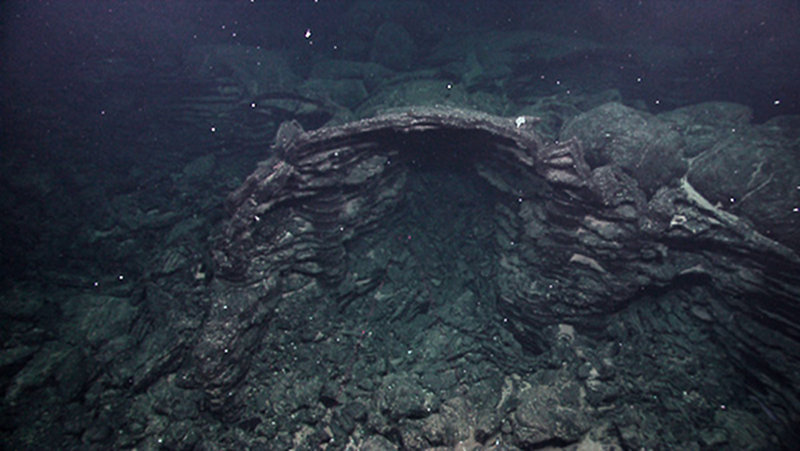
x: 332, y: 216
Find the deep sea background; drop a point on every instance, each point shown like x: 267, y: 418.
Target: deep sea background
x: 126, y: 124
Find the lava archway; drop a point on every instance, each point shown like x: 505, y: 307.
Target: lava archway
x: 433, y: 235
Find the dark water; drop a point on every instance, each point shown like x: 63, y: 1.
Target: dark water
x: 400, y: 288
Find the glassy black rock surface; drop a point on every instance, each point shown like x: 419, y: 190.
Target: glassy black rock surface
x: 400, y: 225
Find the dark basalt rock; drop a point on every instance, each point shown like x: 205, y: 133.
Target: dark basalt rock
x: 754, y: 173
x: 643, y: 145
x: 573, y: 243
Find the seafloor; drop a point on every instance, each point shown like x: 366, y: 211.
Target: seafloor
x: 458, y: 239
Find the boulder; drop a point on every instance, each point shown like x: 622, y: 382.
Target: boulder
x: 641, y: 144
